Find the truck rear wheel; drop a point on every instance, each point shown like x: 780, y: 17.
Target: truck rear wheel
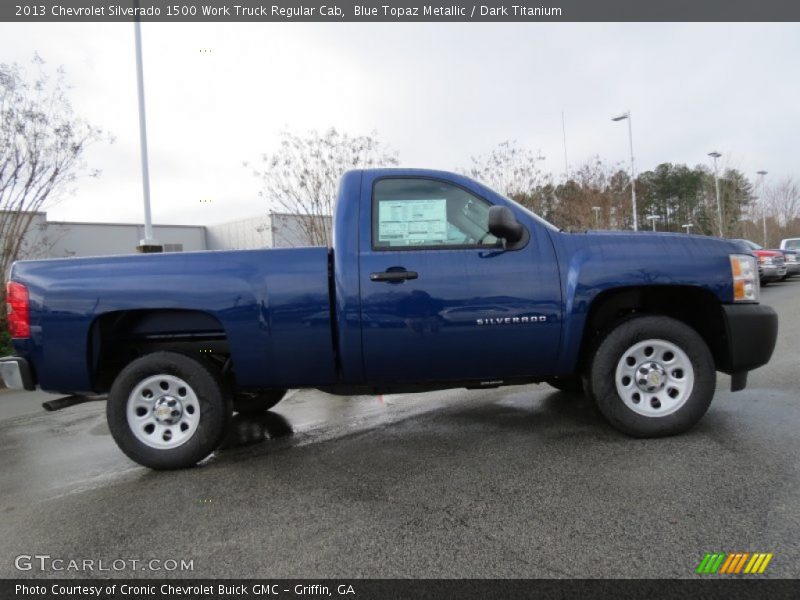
x: 652, y: 376
x: 247, y: 403
x: 168, y: 411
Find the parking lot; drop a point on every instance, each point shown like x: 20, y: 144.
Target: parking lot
x: 514, y: 482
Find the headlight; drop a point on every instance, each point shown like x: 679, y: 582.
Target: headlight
x: 745, y: 278
x: 765, y: 260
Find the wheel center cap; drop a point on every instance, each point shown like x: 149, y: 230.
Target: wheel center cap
x: 651, y: 377
x: 167, y: 410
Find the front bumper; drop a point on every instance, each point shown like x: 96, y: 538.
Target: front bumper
x: 772, y: 272
x: 750, y: 334
x: 793, y: 268
x: 16, y: 373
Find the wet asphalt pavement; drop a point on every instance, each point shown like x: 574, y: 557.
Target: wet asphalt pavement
x: 515, y: 482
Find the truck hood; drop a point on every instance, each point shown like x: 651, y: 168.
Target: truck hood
x: 663, y: 242
x: 600, y: 260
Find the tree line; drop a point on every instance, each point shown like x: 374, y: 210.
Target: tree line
x: 302, y: 175
x: 671, y: 197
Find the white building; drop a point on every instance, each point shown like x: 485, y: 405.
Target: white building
x: 58, y: 239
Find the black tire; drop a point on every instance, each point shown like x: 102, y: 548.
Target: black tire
x: 214, y: 408
x: 612, y: 350
x: 246, y: 403
x: 570, y: 384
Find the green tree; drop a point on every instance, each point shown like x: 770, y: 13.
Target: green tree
x: 735, y: 196
x: 673, y: 192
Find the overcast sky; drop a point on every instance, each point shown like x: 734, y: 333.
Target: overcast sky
x: 436, y: 93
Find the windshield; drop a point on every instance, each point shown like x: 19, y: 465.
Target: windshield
x: 751, y: 245
x: 792, y: 244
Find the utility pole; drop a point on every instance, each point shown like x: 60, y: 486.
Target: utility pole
x: 622, y: 117
x: 596, y: 210
x: 149, y: 243
x: 762, y: 202
x: 715, y: 155
x: 564, y: 134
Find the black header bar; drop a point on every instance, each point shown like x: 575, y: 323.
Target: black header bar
x: 337, y: 11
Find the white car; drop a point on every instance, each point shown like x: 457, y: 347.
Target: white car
x: 790, y: 244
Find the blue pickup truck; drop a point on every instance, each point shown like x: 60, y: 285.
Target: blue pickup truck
x: 434, y: 281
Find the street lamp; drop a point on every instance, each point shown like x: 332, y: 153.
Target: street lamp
x: 762, y: 203
x: 687, y: 227
x: 596, y: 210
x: 149, y: 243
x: 715, y: 155
x: 653, y: 219
x: 622, y: 117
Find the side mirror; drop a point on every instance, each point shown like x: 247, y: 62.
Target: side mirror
x: 504, y: 225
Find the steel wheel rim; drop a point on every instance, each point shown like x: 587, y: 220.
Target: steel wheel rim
x: 654, y: 378
x: 163, y: 412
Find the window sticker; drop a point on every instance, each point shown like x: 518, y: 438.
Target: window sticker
x: 412, y: 222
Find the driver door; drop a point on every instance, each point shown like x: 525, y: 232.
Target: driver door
x: 441, y: 300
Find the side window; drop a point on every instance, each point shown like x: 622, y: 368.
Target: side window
x: 411, y: 212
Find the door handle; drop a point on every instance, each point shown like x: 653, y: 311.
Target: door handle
x: 393, y: 276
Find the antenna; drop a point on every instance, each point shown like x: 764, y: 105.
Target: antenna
x: 564, y: 134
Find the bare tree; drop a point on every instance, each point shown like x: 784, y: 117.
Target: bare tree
x: 509, y: 169
x: 302, y: 176
x: 42, y: 146
x: 783, y: 206
x: 593, y: 185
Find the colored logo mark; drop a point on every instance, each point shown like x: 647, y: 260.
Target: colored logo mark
x: 734, y: 563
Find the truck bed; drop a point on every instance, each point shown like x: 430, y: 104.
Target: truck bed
x: 272, y: 306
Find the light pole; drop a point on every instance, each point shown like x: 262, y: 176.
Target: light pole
x: 653, y: 219
x: 596, y: 210
x: 622, y: 117
x: 687, y: 227
x: 715, y: 155
x: 564, y: 133
x: 149, y: 243
x: 761, y: 202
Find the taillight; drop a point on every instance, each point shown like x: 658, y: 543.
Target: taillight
x: 19, y: 321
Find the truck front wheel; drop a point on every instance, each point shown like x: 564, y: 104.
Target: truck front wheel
x: 652, y: 376
x: 168, y: 411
